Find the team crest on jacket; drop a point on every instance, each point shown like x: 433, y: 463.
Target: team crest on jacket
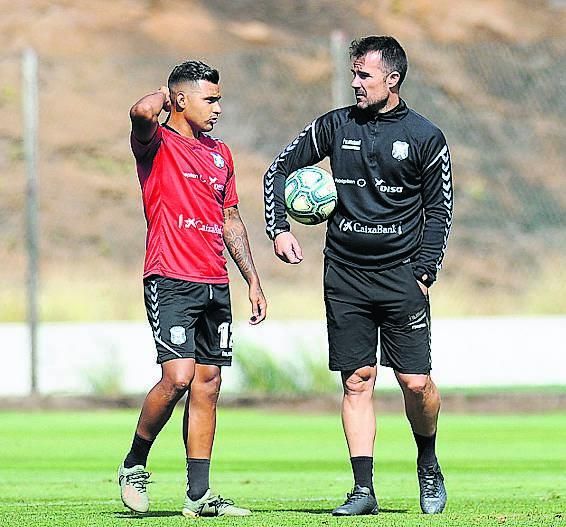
x: 400, y: 150
x: 218, y: 160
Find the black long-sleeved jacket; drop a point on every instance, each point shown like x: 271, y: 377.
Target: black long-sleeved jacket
x: 394, y: 183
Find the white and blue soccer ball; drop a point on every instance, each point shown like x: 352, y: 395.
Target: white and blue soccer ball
x: 310, y: 195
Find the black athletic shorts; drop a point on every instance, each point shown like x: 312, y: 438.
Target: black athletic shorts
x: 189, y: 320
x: 359, y: 302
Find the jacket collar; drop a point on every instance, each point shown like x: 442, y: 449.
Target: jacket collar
x: 393, y: 115
x: 396, y: 114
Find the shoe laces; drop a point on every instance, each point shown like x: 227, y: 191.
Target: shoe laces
x: 219, y: 502
x: 139, y: 480
x: 430, y: 482
x: 216, y: 502
x: 354, y: 496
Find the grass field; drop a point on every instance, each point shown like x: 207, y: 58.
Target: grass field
x: 58, y: 469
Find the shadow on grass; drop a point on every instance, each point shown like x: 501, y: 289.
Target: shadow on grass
x: 139, y: 516
x: 164, y: 514
x: 323, y: 511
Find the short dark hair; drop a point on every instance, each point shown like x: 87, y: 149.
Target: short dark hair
x: 393, y: 55
x: 193, y: 71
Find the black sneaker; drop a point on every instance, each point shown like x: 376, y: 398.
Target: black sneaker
x: 359, y: 501
x: 433, y: 492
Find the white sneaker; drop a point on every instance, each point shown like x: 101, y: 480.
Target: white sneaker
x: 133, y: 487
x: 210, y: 505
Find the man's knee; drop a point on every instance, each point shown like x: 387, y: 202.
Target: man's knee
x: 207, y: 383
x: 359, y: 382
x: 176, y: 384
x: 416, y: 385
x: 177, y: 376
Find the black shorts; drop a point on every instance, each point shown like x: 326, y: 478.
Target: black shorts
x: 359, y: 302
x: 189, y: 320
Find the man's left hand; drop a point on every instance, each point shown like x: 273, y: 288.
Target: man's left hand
x: 259, y: 304
x: 423, y: 287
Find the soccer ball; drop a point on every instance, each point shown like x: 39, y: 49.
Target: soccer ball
x: 310, y: 195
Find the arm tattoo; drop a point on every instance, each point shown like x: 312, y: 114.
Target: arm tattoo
x: 236, y: 240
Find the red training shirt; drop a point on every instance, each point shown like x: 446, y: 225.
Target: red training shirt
x: 186, y: 185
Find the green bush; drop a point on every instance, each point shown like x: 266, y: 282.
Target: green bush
x: 264, y: 373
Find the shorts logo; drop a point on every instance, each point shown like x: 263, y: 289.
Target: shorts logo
x: 419, y: 315
x: 218, y: 160
x: 418, y: 320
x: 178, y: 335
x: 400, y: 150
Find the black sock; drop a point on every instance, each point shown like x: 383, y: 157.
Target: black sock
x: 426, y: 447
x: 198, y: 471
x: 138, y: 453
x: 362, y: 467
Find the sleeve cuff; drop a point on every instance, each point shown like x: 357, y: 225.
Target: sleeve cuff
x: 273, y: 233
x: 419, y: 272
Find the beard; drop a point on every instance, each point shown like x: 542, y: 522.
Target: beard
x: 373, y: 106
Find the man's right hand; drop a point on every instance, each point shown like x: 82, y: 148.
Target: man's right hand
x: 287, y: 248
x: 167, y: 103
x: 145, y: 112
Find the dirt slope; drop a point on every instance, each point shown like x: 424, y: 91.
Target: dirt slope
x: 98, y: 57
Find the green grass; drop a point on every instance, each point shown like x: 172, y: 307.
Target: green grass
x: 58, y: 469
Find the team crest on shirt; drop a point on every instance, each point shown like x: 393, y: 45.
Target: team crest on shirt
x: 400, y: 150
x: 178, y: 335
x: 218, y: 160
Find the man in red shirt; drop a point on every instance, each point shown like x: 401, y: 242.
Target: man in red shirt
x: 190, y: 203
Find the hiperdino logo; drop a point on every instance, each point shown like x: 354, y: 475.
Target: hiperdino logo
x: 355, y: 226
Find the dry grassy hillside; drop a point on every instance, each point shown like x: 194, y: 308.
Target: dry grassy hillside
x: 98, y: 57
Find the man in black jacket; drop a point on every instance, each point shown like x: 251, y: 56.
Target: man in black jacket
x: 384, y: 245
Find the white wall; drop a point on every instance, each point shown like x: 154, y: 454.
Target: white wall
x: 466, y: 352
